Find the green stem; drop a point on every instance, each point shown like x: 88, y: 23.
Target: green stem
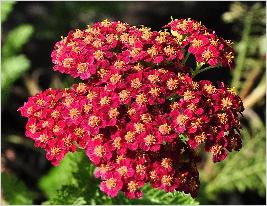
x: 196, y: 71
x: 199, y: 70
x: 185, y: 59
x: 242, y: 51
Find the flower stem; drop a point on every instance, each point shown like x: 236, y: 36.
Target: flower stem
x: 196, y: 71
x: 185, y: 59
x: 199, y: 70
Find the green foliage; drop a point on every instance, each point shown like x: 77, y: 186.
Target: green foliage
x: 62, y: 174
x: 14, y: 191
x: 12, y: 69
x: 73, y: 183
x: 183, y: 137
x: 252, y: 44
x: 154, y: 196
x: 14, y: 64
x: 16, y: 39
x: 244, y: 170
x: 6, y: 8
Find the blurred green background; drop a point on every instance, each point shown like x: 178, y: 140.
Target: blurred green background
x: 29, y: 32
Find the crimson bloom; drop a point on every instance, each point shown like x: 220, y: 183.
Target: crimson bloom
x: 139, y: 114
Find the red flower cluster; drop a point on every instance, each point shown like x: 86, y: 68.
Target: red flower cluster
x: 140, y: 116
x: 206, y: 46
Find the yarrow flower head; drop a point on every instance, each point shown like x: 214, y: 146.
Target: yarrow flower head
x: 137, y: 103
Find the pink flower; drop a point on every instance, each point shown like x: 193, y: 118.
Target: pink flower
x: 139, y: 115
x: 112, y: 184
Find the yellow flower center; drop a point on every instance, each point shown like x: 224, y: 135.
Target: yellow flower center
x: 123, y: 170
x: 226, y: 102
x: 139, y: 128
x: 188, y: 95
x: 55, y: 114
x: 138, y: 67
x: 136, y: 83
x: 207, y: 54
x: 68, y: 62
x: 74, y: 113
x: 43, y: 138
x: 91, y: 95
x: 68, y: 100
x: 169, y: 50
x: 45, y: 124
x: 33, y: 128
x: 106, y: 23
x: 124, y: 37
x: 40, y: 102
x: 124, y: 94
x: 115, y: 78
x: 141, y: 99
x: 55, y: 151
x: 117, y: 142
x: 87, y: 108
x: 98, y: 137
x: 215, y: 149
x: 150, y: 140
x: 111, y: 183
x: 98, y: 55
x: 78, y: 33
x: 172, y: 84
x: 94, y: 121
x: 166, y: 180
x: 200, y: 138
x: 131, y: 111
x: 197, y: 43
x: 129, y: 137
x: 146, y: 35
x: 223, y: 118
x: 214, y: 42
x: 152, y: 51
x: 153, y: 175
x: 209, y: 88
x: 180, y: 120
x: 113, y: 113
x: 56, y: 128
x: 229, y: 56
x: 120, y: 158
x: 146, y: 118
x: 132, y: 186
x: 67, y: 141
x: 135, y: 51
x: 166, y: 163
x: 140, y: 168
x: 82, y: 68
x: 78, y: 131
x: 192, y: 107
x: 104, y: 168
x: 105, y: 100
x: 155, y: 91
x: 120, y: 27
x: 97, y: 43
x: 119, y: 64
x: 99, y: 150
x: 153, y: 78
x: 81, y: 87
x: 196, y: 122
x: 164, y: 129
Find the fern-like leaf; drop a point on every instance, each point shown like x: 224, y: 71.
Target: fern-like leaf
x: 244, y: 170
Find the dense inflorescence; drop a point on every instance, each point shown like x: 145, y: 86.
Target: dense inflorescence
x: 139, y: 115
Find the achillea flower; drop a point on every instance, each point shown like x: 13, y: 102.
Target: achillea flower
x: 139, y: 115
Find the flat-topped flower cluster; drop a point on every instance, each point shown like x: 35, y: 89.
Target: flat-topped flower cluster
x: 139, y: 115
